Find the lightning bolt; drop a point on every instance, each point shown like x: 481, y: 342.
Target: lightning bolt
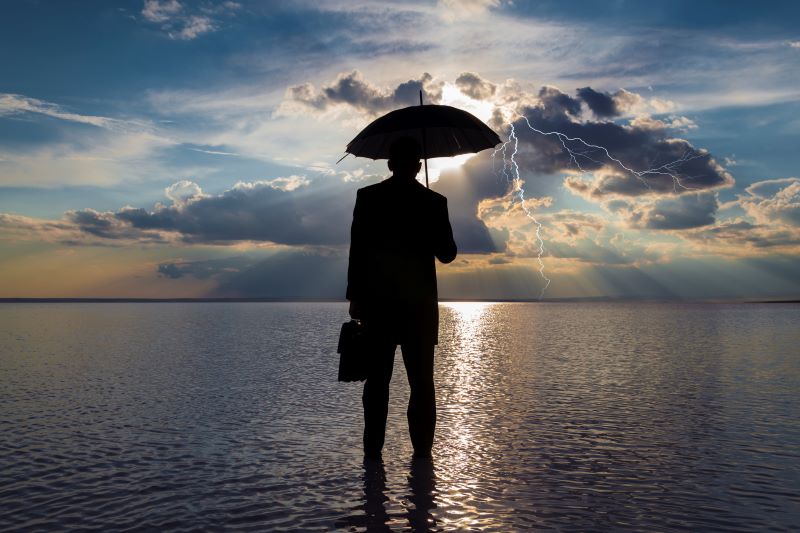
x: 578, y: 150
x: 510, y: 165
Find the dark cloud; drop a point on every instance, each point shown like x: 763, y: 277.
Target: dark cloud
x: 170, y: 270
x: 557, y: 105
x: 352, y: 89
x: 258, y: 211
x: 108, y: 225
x: 465, y: 188
x: 601, y: 104
x: 684, y: 212
x: 639, y: 147
x: 474, y: 86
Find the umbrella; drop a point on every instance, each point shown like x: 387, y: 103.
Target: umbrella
x: 441, y: 130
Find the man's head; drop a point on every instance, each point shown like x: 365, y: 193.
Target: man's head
x: 404, y: 157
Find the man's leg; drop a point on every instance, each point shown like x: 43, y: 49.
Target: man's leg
x: 376, y: 398
x: 418, y: 359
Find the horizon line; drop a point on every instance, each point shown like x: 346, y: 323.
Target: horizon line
x: 598, y: 299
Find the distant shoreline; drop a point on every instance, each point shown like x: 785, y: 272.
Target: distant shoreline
x: 324, y: 300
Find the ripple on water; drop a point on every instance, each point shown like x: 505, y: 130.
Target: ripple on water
x: 551, y: 416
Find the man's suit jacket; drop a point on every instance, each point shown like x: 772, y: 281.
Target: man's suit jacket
x: 399, y: 227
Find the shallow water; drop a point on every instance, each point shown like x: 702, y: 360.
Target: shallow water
x: 574, y: 417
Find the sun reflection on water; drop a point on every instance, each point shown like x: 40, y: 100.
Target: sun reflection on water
x: 465, y: 449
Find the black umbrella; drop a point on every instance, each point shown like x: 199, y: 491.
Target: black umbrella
x: 441, y: 130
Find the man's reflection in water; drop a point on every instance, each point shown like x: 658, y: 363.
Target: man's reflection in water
x: 422, y: 481
x: 375, y: 496
x: 422, y: 485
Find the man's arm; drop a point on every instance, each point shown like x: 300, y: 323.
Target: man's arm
x: 356, y: 268
x: 444, y: 246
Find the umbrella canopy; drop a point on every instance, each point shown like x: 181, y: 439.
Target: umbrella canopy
x: 442, y: 131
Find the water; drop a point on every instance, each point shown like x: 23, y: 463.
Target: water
x: 574, y: 417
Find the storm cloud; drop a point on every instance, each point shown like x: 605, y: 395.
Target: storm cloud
x: 642, y: 147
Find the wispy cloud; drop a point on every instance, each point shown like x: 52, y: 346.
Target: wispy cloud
x: 12, y: 104
x: 101, y: 156
x: 189, y: 21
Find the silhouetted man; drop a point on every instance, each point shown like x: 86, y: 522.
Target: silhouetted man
x: 399, y: 227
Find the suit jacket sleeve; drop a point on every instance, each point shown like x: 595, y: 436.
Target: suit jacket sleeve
x: 444, y: 245
x: 356, y: 268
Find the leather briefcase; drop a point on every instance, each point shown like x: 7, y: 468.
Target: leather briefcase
x: 352, y: 352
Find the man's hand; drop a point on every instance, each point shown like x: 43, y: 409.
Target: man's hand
x: 355, y: 310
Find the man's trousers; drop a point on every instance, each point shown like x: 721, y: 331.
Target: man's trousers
x: 418, y: 360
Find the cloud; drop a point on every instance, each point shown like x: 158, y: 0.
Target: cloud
x: 458, y: 9
x: 646, y: 122
x: 264, y: 211
x: 683, y: 212
x: 156, y: 11
x: 668, y: 166
x: 185, y: 22
x: 85, y: 227
x: 290, y: 210
x: 18, y: 227
x: 773, y: 208
x: 601, y: 104
x: 102, y: 158
x: 194, y: 26
x: 773, y: 201
x: 741, y: 238
x: 107, y: 225
x: 351, y: 89
x: 182, y: 191
x: 640, y: 147
x: 465, y: 188
x: 70, y: 153
x: 474, y: 86
x: 12, y: 104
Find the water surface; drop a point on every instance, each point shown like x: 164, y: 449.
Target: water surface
x: 573, y: 417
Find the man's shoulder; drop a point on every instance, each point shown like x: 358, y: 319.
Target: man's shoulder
x: 370, y: 190
x: 386, y: 189
x: 436, y: 196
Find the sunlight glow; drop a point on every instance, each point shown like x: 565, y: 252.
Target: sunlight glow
x: 452, y: 96
x: 469, y: 312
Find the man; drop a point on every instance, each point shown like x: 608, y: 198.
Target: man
x: 399, y: 226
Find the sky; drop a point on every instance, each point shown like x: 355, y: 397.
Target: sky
x: 167, y: 148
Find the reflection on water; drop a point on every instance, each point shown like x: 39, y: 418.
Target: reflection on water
x: 418, y: 502
x: 551, y: 416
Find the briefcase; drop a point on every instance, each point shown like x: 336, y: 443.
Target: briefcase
x: 352, y: 352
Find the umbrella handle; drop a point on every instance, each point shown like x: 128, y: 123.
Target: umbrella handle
x: 424, y: 147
